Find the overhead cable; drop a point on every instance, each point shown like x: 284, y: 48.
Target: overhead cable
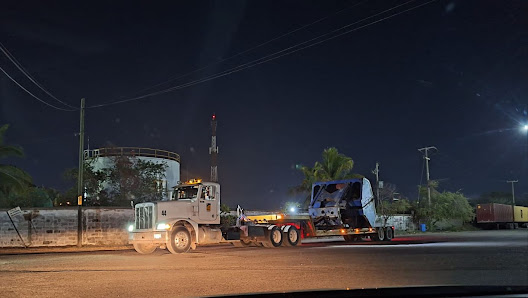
x: 273, y: 56
x: 33, y: 95
x: 29, y: 76
x: 253, y: 48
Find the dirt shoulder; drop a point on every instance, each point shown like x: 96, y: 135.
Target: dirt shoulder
x: 59, y: 249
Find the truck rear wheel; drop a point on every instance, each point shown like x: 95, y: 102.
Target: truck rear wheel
x: 292, y: 236
x: 180, y: 241
x: 241, y: 243
x: 273, y: 237
x: 379, y: 236
x: 145, y: 248
x: 389, y: 234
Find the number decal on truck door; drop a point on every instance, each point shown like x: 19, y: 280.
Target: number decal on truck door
x: 164, y: 212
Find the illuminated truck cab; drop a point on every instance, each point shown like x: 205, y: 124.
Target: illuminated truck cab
x: 187, y: 213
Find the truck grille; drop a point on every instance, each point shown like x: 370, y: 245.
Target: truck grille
x: 144, y: 217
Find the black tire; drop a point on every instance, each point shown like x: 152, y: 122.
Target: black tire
x: 180, y: 241
x: 292, y: 236
x: 241, y: 243
x: 274, y: 237
x: 379, y: 236
x: 145, y: 248
x: 389, y: 234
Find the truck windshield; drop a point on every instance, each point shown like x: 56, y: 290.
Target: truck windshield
x: 186, y: 192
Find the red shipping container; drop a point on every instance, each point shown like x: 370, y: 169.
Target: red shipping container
x: 490, y: 213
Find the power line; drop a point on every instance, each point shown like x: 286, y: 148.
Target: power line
x: 37, y: 98
x: 253, y: 48
x: 256, y: 61
x: 272, y: 56
x: 29, y: 76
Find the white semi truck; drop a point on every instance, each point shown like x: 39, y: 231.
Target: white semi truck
x: 191, y: 217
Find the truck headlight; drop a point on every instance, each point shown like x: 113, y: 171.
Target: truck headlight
x: 131, y: 228
x: 163, y: 226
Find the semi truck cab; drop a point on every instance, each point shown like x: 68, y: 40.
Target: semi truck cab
x: 186, y: 218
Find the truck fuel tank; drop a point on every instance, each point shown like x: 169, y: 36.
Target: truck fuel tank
x: 207, y: 235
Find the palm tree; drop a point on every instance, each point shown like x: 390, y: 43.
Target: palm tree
x: 334, y: 166
x: 12, y: 179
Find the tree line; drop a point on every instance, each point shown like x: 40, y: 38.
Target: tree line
x: 126, y: 178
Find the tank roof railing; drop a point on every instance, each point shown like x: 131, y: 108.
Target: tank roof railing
x: 132, y: 152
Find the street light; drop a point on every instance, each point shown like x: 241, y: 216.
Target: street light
x: 525, y: 127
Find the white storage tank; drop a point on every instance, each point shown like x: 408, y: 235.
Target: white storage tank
x: 103, y: 158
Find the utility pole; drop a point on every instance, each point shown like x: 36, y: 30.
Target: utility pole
x: 513, y: 198
x: 213, y: 151
x: 80, y: 176
x: 376, y: 172
x: 426, y: 157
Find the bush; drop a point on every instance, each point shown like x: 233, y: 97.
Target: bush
x: 444, y: 206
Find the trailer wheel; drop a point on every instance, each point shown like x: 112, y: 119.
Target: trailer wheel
x: 145, y: 248
x: 389, y: 234
x: 274, y: 237
x: 379, y: 236
x: 180, y: 241
x: 293, y: 236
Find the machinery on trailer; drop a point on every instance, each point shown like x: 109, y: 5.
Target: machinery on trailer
x: 337, y: 208
x: 191, y: 217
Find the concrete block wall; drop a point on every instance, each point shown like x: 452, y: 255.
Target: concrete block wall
x: 58, y: 227
x: 401, y: 222
x: 107, y: 227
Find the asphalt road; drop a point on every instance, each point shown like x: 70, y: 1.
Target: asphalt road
x: 468, y: 258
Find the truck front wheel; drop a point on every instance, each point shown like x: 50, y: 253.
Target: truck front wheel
x: 180, y: 241
x: 145, y: 248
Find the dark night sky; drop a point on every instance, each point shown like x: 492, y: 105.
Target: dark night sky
x: 450, y: 74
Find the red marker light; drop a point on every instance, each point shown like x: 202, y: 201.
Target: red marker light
x: 214, y: 116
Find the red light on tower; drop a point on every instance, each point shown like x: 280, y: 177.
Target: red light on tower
x: 214, y: 116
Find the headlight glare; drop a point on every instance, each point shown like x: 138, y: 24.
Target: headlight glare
x: 163, y: 226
